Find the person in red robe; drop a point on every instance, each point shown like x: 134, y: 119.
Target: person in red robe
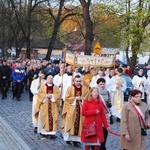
x: 128, y: 71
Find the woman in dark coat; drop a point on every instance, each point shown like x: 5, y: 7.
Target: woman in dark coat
x: 93, y: 111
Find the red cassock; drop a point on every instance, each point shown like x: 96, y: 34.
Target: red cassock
x: 89, y: 111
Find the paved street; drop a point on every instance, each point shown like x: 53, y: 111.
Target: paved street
x: 17, y: 118
x: 9, y: 138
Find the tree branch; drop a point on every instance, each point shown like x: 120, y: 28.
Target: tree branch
x: 18, y: 19
x: 65, y: 17
x: 36, y: 4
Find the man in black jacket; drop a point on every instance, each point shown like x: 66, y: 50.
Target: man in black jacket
x: 5, y: 73
x: 32, y: 74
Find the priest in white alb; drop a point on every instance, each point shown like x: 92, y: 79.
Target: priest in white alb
x: 117, y: 87
x: 35, y: 86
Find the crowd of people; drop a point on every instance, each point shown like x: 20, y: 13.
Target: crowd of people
x: 89, y: 97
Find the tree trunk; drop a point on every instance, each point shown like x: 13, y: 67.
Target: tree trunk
x: 133, y: 60
x: 89, y: 31
x: 9, y: 38
x: 2, y: 34
x: 88, y: 41
x: 28, y: 48
x: 127, y: 55
x: 3, y: 39
x: 17, y: 50
x: 88, y: 46
x: 52, y: 40
x: 128, y: 7
x: 29, y: 29
x: 89, y: 36
x: 22, y: 42
x: 135, y: 47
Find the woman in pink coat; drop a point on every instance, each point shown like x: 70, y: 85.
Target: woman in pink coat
x: 93, y: 111
x: 132, y: 137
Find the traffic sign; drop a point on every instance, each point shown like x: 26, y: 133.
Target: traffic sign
x: 97, y: 48
x: 9, y: 50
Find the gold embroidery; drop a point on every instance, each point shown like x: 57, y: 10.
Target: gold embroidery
x: 50, y: 91
x: 50, y: 116
x: 77, y: 118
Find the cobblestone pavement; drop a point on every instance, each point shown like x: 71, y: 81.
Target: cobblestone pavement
x: 18, y: 115
x: 9, y: 140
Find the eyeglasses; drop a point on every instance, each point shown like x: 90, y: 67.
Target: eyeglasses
x: 138, y: 96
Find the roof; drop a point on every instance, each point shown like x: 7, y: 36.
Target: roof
x: 44, y: 43
x: 81, y: 47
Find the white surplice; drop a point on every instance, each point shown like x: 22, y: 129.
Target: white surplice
x: 67, y: 81
x: 136, y: 83
x: 35, y: 89
x: 117, y: 95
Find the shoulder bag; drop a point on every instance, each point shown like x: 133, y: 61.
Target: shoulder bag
x: 89, y: 129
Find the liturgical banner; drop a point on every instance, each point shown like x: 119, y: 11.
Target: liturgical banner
x: 87, y: 60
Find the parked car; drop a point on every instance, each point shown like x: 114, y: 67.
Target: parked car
x: 129, y: 86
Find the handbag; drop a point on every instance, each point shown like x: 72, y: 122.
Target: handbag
x: 111, y: 119
x: 89, y: 129
x: 143, y: 132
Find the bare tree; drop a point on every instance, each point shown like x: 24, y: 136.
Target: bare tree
x: 3, y: 19
x: 89, y: 36
x: 58, y: 18
x: 26, y: 30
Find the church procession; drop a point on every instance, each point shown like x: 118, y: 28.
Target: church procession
x: 85, y: 98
